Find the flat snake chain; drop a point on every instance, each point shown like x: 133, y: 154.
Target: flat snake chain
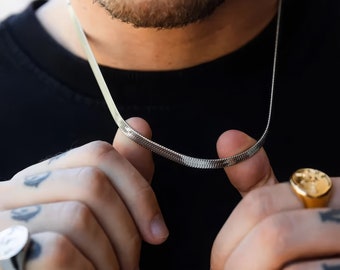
x: 199, y: 163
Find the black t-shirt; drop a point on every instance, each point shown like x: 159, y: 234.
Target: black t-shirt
x: 50, y: 102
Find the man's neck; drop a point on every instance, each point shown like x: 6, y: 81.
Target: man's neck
x: 121, y: 45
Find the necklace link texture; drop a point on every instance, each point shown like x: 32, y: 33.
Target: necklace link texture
x: 199, y: 163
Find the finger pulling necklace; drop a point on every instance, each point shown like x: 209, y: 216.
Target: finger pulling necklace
x: 200, y: 163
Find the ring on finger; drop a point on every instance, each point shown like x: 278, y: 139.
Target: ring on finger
x: 14, y: 243
x: 312, y: 186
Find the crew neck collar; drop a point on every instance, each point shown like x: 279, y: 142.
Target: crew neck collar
x: 75, y: 72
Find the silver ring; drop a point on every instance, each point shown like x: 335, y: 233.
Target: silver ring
x: 14, y: 243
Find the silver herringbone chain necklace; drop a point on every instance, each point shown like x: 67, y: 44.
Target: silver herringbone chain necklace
x: 199, y: 163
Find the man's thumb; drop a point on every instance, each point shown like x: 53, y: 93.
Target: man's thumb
x: 137, y: 155
x: 251, y: 173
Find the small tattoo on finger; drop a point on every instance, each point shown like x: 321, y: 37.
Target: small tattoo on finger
x: 25, y: 213
x: 36, y: 180
x: 34, y: 250
x: 332, y: 215
x: 328, y: 267
x: 56, y: 157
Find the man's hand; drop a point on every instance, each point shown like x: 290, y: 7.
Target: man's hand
x: 87, y: 208
x: 270, y: 228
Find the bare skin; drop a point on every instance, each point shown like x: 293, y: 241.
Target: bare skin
x: 121, y: 45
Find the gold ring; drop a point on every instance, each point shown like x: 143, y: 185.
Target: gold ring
x: 312, y: 186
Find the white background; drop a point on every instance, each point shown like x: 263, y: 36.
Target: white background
x: 8, y: 7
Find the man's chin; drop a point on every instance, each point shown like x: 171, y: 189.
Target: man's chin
x: 160, y: 15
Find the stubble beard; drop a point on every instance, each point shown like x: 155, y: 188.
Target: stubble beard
x: 160, y: 14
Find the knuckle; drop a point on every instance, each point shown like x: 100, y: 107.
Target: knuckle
x: 60, y: 253
x: 144, y: 193
x: 259, y: 203
x: 78, y: 216
x: 94, y: 182
x: 134, y: 240
x: 100, y: 150
x: 277, y: 231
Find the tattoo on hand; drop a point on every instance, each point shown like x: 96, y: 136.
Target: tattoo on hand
x: 56, y: 157
x: 25, y: 213
x: 34, y: 250
x: 332, y: 215
x: 333, y: 267
x: 36, y: 180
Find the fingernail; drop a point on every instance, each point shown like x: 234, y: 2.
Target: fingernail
x: 158, y: 227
